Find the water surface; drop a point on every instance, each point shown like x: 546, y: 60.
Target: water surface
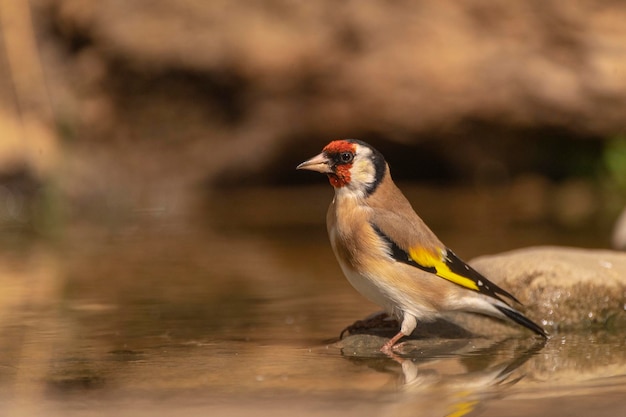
x: 241, y: 316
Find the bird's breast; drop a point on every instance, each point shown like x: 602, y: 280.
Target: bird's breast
x: 350, y: 232
x: 358, y: 252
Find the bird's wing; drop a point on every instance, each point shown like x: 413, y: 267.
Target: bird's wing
x: 411, y: 242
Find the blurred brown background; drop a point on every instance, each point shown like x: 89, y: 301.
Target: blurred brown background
x: 158, y: 246
x: 116, y: 107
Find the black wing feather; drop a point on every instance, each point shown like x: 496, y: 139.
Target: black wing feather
x: 456, y: 265
x: 519, y: 318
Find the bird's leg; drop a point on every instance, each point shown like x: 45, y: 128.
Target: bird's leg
x: 387, y: 348
x: 409, y: 322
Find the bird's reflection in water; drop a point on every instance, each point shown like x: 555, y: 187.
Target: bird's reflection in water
x: 450, y: 377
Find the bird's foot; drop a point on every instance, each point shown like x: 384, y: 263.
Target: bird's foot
x: 392, y: 351
x: 390, y: 348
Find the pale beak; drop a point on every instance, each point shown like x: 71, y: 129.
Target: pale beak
x: 319, y: 163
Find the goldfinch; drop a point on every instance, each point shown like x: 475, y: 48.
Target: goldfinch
x: 389, y: 254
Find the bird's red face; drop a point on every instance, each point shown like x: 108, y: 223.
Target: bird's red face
x: 335, y: 161
x: 342, y: 154
x: 351, y: 166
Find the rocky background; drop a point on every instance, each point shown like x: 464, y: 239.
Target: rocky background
x: 148, y: 104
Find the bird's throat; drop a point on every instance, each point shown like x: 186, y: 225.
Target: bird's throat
x: 340, y: 177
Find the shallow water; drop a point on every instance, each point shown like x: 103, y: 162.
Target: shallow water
x: 242, y: 317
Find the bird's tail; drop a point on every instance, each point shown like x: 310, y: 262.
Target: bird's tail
x: 521, y: 319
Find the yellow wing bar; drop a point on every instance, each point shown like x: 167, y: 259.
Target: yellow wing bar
x: 437, y: 260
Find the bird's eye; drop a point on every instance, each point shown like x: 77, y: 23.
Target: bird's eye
x: 346, y: 157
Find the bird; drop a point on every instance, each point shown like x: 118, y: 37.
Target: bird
x: 390, y: 255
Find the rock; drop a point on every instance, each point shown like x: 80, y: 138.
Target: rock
x: 365, y: 345
x: 376, y: 66
x: 147, y: 90
x: 563, y: 288
x: 152, y: 97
